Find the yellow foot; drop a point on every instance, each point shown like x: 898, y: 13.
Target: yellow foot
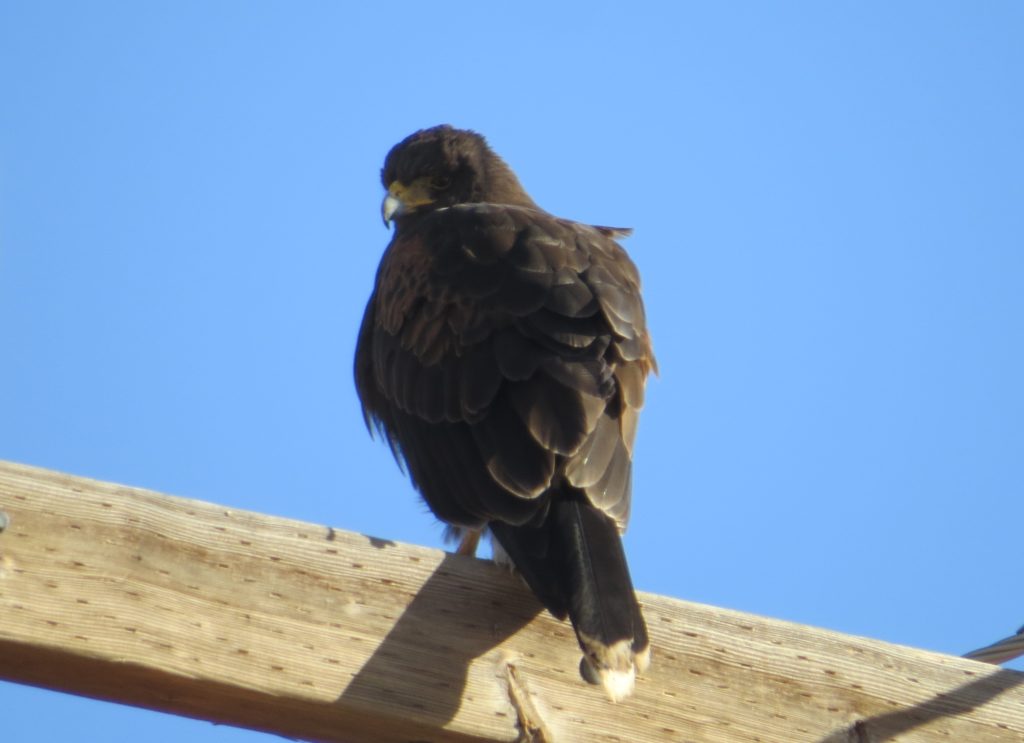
x: 467, y: 544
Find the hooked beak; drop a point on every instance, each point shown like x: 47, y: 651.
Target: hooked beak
x: 392, y: 205
x: 401, y: 198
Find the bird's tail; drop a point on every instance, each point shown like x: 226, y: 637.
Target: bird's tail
x: 576, y: 565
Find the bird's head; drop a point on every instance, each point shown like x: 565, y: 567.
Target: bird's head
x: 444, y: 166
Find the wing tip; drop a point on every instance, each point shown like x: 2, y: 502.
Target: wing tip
x: 616, y: 233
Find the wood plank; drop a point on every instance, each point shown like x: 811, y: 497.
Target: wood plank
x: 299, y: 629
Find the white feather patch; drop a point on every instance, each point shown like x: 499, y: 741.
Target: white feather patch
x: 613, y: 666
x: 617, y: 684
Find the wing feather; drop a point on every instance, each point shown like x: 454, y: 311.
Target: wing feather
x: 505, y: 351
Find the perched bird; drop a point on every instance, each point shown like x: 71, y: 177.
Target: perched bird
x: 503, y: 355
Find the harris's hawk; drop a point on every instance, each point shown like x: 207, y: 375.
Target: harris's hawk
x: 503, y: 355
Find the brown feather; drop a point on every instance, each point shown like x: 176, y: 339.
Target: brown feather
x: 503, y: 355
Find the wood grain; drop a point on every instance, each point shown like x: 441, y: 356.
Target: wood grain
x: 262, y: 622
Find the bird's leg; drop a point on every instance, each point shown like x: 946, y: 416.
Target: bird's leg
x: 468, y: 541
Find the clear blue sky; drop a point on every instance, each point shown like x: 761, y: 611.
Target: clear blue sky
x: 828, y: 201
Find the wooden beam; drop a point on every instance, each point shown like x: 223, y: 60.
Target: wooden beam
x: 298, y: 629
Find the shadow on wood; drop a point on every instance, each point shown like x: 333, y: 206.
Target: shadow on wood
x: 963, y: 699
x: 312, y: 633
x: 402, y: 673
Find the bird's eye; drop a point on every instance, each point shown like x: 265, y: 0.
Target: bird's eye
x: 440, y: 182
